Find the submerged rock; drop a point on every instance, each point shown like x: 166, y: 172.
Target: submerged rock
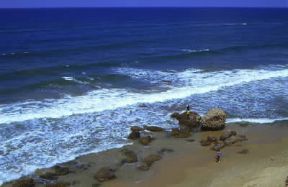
x: 153, y: 128
x: 214, y: 120
x: 105, y: 174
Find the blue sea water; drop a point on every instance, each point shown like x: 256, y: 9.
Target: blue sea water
x: 72, y: 81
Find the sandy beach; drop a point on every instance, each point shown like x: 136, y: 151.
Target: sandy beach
x: 261, y: 160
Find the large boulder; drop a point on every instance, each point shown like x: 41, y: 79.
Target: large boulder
x: 105, y: 174
x: 214, y: 120
x: 191, y: 120
x: 25, y: 182
x: 180, y: 132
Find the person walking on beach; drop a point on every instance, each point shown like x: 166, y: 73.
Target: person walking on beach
x: 218, y: 155
x: 188, y: 111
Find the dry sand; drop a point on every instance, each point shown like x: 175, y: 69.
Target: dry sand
x: 262, y: 161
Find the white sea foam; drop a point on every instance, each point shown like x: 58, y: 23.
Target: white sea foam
x: 255, y: 120
x: 186, y: 83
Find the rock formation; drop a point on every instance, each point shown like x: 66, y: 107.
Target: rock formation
x: 214, y: 120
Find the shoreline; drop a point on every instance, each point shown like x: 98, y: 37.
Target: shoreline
x: 182, y: 159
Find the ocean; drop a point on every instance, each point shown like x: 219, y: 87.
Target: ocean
x: 72, y: 81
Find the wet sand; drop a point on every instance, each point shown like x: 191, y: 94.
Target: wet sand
x: 260, y: 161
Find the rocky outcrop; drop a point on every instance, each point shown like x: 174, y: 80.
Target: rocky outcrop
x: 214, y: 120
x: 105, y: 174
x: 191, y: 120
x: 181, y: 132
x: 25, y: 182
x: 130, y: 156
x: 153, y: 128
x: 136, y: 128
x: 145, y: 140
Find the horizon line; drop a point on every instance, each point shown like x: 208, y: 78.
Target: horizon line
x: 128, y: 7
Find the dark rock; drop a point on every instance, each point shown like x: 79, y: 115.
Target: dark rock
x: 226, y: 135
x: 165, y: 150
x: 214, y: 120
x: 136, y: 129
x: 130, y: 156
x: 58, y: 185
x: 96, y: 185
x: 175, y: 115
x: 134, y: 135
x: 286, y: 182
x: 60, y: 170
x: 243, y: 151
x: 218, y: 146
x: 105, y: 174
x: 235, y: 139
x: 149, y: 160
x: 153, y: 128
x: 53, y: 173
x: 48, y: 176
x: 143, y: 167
x: 208, y: 141
x: 190, y: 120
x: 180, y: 132
x: 190, y: 140
x: 145, y: 140
x: 26, y: 182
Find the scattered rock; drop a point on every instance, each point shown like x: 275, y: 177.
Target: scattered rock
x: 190, y: 140
x: 243, y: 151
x: 180, y: 132
x: 227, y: 135
x: 149, y: 160
x: 58, y: 185
x: 145, y: 140
x: 53, y: 173
x: 60, y: 170
x: 286, y: 182
x: 235, y: 139
x: 166, y: 150
x: 143, y: 167
x: 208, y: 141
x: 214, y: 120
x: 26, y: 182
x: 105, y: 174
x: 134, y: 135
x: 130, y: 156
x: 153, y: 128
x: 218, y: 146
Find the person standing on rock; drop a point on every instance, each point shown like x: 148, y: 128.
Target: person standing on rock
x: 188, y: 111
